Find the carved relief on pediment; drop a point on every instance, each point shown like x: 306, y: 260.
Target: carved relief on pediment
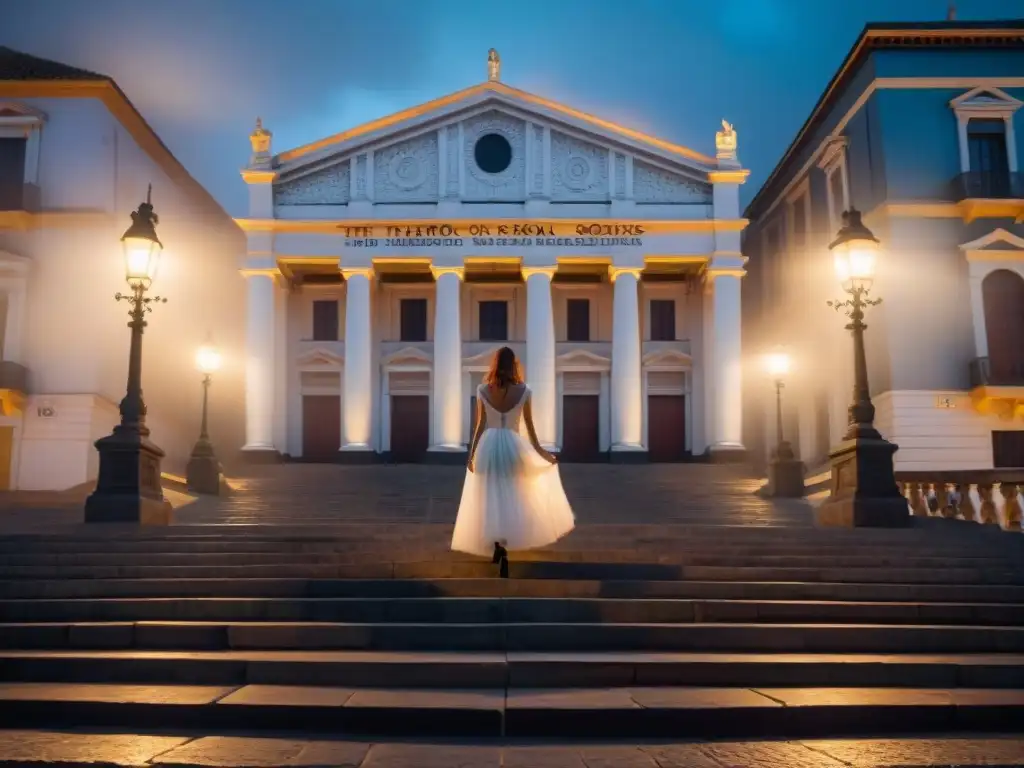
x: 328, y: 186
x: 579, y: 170
x: 654, y: 185
x: 407, y: 171
x: 508, y: 183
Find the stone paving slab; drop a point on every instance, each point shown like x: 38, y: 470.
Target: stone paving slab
x: 81, y: 748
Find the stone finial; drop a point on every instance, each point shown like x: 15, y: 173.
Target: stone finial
x: 725, y: 142
x: 493, y: 65
x: 260, y: 140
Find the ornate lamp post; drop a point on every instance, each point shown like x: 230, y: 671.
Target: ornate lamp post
x: 203, y: 473
x: 864, y: 491
x: 128, y: 488
x: 785, y: 471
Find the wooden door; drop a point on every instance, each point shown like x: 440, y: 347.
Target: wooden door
x: 321, y: 427
x: 580, y: 430
x: 666, y: 427
x: 410, y: 428
x: 6, y: 455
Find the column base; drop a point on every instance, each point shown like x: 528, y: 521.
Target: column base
x: 203, y: 474
x: 727, y: 453
x: 864, y: 493
x: 357, y: 453
x: 785, y: 479
x: 260, y: 455
x: 128, y: 489
x: 451, y: 455
x: 628, y: 453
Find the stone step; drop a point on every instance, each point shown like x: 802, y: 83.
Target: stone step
x: 556, y: 712
x: 491, y: 587
x: 515, y: 670
x: 529, y: 570
x: 817, y: 559
x: 833, y: 638
x: 92, y: 749
x: 467, y: 610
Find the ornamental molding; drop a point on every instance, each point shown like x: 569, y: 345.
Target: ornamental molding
x: 407, y: 356
x: 582, y: 359
x: 673, y: 358
x: 320, y: 358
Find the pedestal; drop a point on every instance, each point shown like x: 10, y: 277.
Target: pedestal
x: 864, y: 493
x: 128, y: 489
x: 203, y: 473
x: 785, y: 474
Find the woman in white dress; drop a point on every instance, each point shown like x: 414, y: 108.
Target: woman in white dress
x: 513, y: 496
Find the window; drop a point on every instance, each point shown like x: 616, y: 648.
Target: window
x: 1008, y: 449
x: 986, y: 145
x: 413, y: 319
x: 325, y: 320
x: 493, y: 321
x: 12, y: 173
x: 663, y: 320
x: 493, y: 153
x: 577, y: 320
x: 836, y: 199
x: 833, y: 163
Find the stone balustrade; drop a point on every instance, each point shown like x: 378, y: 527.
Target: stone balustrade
x: 986, y: 496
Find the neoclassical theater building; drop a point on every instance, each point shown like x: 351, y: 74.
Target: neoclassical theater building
x: 387, y: 263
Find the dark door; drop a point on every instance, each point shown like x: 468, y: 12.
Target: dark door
x: 410, y: 427
x: 580, y: 438
x: 321, y: 427
x: 666, y: 427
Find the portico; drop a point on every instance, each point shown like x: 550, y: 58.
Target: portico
x: 387, y: 263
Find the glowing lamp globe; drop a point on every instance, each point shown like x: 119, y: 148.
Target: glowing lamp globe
x: 854, y: 252
x: 141, y: 247
x: 777, y: 364
x: 208, y: 359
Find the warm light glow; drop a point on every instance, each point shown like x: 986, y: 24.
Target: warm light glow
x: 777, y: 364
x: 141, y: 257
x: 208, y: 359
x: 855, y: 261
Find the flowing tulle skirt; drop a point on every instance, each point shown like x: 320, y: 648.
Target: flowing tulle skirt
x: 514, y: 496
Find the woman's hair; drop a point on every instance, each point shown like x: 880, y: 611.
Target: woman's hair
x: 505, y: 370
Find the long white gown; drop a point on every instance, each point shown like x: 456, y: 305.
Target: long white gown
x: 515, y: 495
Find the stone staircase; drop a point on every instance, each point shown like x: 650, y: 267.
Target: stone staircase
x: 622, y: 631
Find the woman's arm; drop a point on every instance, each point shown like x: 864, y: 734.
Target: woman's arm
x: 481, y: 423
x: 532, y: 432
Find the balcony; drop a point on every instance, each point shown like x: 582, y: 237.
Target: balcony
x: 13, y: 387
x: 999, y: 391
x: 984, y: 185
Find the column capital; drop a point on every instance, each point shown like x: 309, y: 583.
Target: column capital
x: 615, y: 272
x: 258, y: 176
x: 528, y: 272
x: 350, y: 272
x: 261, y: 272
x: 713, y: 272
x: 459, y: 272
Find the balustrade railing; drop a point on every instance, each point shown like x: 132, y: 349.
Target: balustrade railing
x: 985, y: 496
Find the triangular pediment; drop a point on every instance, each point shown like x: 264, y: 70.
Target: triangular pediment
x: 986, y: 98
x: 407, y: 356
x: 668, y: 357
x: 320, y: 358
x: 584, y: 358
x: 15, y: 112
x: 996, y: 240
x: 420, y: 155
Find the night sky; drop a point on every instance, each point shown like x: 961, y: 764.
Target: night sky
x: 200, y: 71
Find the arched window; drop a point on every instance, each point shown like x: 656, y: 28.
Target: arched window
x: 1003, y: 295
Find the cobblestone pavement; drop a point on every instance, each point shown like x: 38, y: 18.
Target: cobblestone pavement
x: 701, y: 494
x: 111, y: 749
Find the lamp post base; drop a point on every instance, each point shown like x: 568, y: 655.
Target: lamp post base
x: 864, y: 493
x: 128, y: 489
x: 203, y: 474
x: 785, y: 474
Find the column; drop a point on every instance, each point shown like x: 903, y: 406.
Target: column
x: 357, y: 426
x: 726, y: 357
x: 448, y: 406
x: 14, y: 329
x: 627, y: 408
x: 540, y: 351
x: 259, y: 363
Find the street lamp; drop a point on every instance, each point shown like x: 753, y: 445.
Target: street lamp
x: 128, y: 488
x: 203, y: 472
x: 864, y: 490
x: 785, y: 471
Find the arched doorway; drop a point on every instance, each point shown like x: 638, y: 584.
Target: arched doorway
x: 1003, y: 297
